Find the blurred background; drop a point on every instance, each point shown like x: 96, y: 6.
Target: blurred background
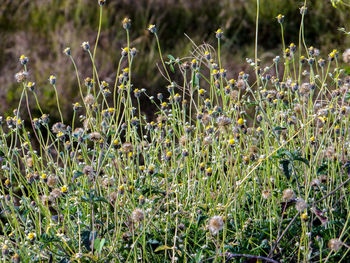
x: 41, y: 29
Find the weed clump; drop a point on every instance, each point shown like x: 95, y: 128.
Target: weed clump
x: 254, y: 165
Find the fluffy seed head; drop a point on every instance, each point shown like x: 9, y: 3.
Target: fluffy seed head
x: 138, y: 215
x: 335, y: 244
x: 288, y: 194
x: 216, y: 224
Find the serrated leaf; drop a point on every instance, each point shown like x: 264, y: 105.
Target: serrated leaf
x: 323, y: 168
x: 285, y: 167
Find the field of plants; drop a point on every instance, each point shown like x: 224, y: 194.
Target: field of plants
x: 222, y: 161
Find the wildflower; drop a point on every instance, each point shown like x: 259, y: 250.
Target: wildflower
x: 133, y: 52
x: 240, y: 122
x: 60, y: 135
x: 89, y: 99
x: 64, y: 189
x: 7, y: 183
x: 177, y: 97
x: 241, y: 84
x: 292, y: 47
x: 23, y: 59
x: 223, y: 73
x: 216, y: 224
x: 280, y: 18
x: 137, y: 93
x: 287, y: 52
x: 85, y: 45
x: 335, y: 244
x: 219, y: 33
x: 5, y: 250
x: 125, y: 51
x: 346, y: 56
x: 333, y: 55
x: 31, y: 236
x: 294, y: 86
x: 135, y: 121
x: 207, y: 55
x: 209, y: 171
x: 207, y: 103
x: 151, y: 169
x: 76, y: 106
x: 95, y: 136
x: 44, y: 119
x: 141, y: 200
x: 194, y: 63
x: 67, y: 51
x: 21, y: 76
x: 231, y: 83
x: 51, y: 181
x: 288, y: 194
x: 126, y: 23
x: 16, y: 258
x: 52, y: 80
x: 224, y: 121
x: 321, y: 62
x: 164, y: 105
x: 266, y: 194
x: 303, y: 10
x: 88, y: 82
x: 168, y: 155
x: 101, y: 2
x: 138, y: 215
x: 31, y: 85
x: 304, y: 216
x: 152, y: 29
x: 301, y: 205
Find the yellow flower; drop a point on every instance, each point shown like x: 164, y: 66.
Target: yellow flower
x: 31, y: 236
x: 280, y: 18
x: 209, y: 170
x: 152, y: 28
x: 240, y: 121
x: 64, y: 189
x: 304, y: 216
x: 231, y: 142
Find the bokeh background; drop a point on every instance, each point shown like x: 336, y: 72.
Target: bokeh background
x: 41, y: 29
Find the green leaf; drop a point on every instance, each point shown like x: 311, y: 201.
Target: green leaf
x: 172, y: 68
x: 196, y: 80
x: 171, y: 57
x: 98, y: 244
x: 322, y: 169
x: 285, y: 166
x: 278, y: 128
x: 163, y: 247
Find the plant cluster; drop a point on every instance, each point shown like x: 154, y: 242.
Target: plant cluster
x: 231, y: 167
